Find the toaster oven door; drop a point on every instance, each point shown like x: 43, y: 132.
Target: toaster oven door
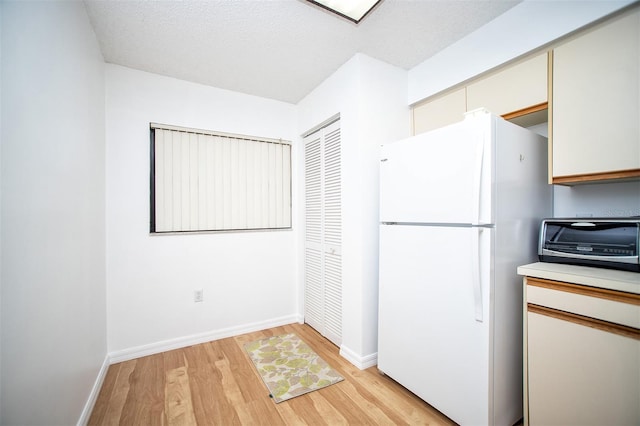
x: 605, y: 244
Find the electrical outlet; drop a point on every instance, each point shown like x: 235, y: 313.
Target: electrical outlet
x: 198, y: 295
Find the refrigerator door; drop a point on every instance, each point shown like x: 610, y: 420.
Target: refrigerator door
x: 443, y: 176
x: 429, y: 339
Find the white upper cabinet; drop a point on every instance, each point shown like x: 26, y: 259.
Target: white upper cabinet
x: 514, y: 91
x: 596, y: 103
x: 515, y: 88
x: 447, y: 109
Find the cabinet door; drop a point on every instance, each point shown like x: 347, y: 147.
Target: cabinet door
x: 515, y: 88
x: 596, y: 103
x: 440, y: 112
x: 581, y: 375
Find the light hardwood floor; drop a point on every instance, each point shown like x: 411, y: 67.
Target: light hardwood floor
x: 215, y: 383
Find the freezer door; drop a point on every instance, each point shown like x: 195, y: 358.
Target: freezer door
x: 441, y: 176
x: 429, y: 338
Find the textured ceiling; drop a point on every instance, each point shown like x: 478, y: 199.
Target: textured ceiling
x: 278, y: 49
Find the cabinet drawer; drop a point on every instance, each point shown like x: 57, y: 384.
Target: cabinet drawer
x: 606, y: 305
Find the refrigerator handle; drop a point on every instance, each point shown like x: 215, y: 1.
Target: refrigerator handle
x: 475, y: 272
x: 477, y: 181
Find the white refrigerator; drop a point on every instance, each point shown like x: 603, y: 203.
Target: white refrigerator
x: 460, y: 209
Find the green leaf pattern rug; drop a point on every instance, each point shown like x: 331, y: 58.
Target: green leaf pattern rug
x: 289, y: 367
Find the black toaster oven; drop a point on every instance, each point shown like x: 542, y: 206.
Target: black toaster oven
x: 600, y: 242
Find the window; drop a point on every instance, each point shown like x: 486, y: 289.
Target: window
x: 208, y: 181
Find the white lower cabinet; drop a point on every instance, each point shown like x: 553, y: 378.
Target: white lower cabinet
x: 579, y: 375
x: 582, y: 355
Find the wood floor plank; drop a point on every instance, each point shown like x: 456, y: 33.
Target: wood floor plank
x: 345, y: 399
x: 367, y: 404
x: 396, y: 398
x: 178, y: 404
x: 262, y: 411
x: 216, y: 383
x: 112, y: 396
x: 289, y: 416
x: 105, y: 396
x: 249, y: 381
x: 145, y: 399
x: 233, y: 392
x: 173, y: 359
x: 121, y: 391
x: 304, y: 408
x: 108, y: 401
x: 330, y: 411
x: 210, y: 403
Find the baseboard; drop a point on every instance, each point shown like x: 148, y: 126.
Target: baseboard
x: 362, y: 362
x: 95, y: 390
x: 181, y: 342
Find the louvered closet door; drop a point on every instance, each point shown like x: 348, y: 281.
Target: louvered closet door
x: 323, y: 232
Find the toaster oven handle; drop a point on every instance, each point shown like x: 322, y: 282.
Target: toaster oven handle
x: 583, y: 224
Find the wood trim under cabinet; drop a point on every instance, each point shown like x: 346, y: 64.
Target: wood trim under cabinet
x: 600, y: 293
x: 596, y: 177
x: 598, y: 324
x: 525, y: 111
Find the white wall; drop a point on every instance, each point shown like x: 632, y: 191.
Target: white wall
x: 53, y: 337
x: 524, y: 28
x: 248, y: 278
x: 370, y: 97
x: 597, y: 200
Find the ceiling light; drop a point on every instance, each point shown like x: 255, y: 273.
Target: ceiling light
x: 353, y: 10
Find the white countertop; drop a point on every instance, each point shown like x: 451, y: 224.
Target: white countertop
x: 595, y: 277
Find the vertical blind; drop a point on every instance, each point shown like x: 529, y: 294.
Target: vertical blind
x: 208, y: 181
